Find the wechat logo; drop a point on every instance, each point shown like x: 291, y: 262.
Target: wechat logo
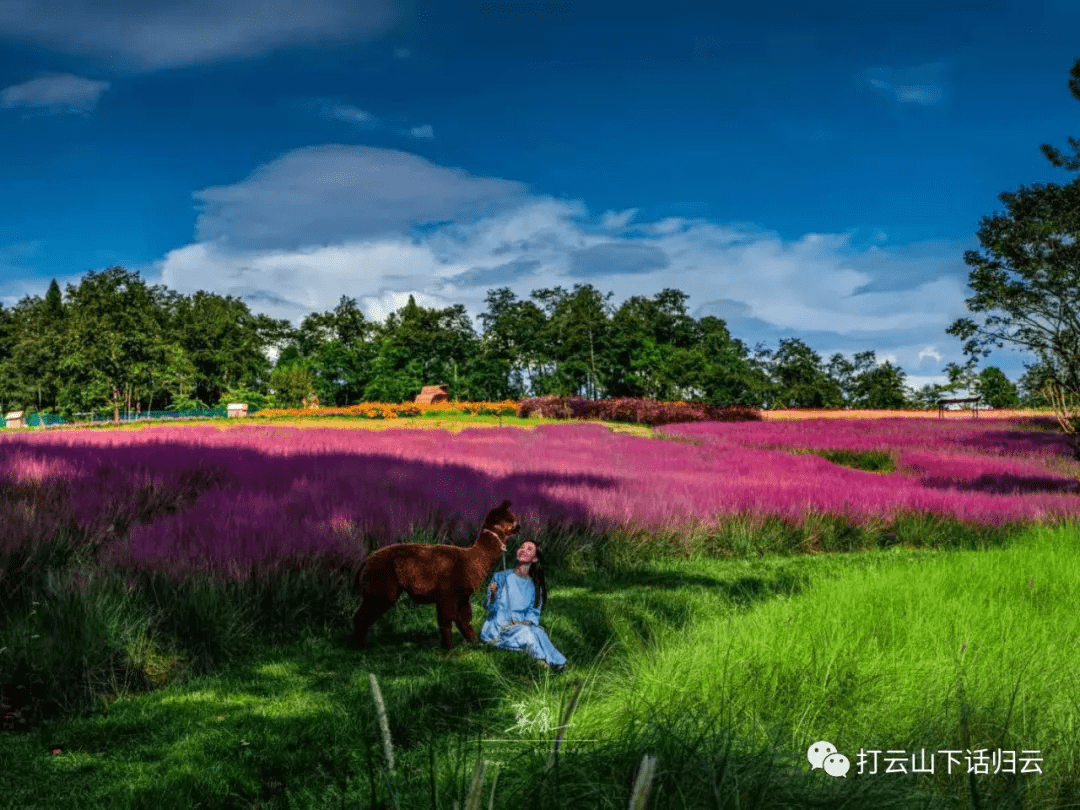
x: 824, y: 755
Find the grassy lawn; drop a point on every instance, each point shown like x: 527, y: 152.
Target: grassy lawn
x: 723, y: 666
x: 724, y: 670
x: 432, y: 420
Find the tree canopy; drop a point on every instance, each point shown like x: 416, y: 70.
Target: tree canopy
x: 112, y: 342
x: 1026, y: 280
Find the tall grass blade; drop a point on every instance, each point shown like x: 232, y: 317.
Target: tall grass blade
x: 563, y: 724
x: 476, y: 789
x: 639, y: 799
x: 384, y: 725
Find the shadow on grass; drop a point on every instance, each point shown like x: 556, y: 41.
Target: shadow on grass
x: 1006, y: 484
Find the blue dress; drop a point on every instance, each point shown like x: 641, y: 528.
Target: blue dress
x: 513, y: 605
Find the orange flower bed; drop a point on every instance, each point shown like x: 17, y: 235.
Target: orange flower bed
x: 389, y: 410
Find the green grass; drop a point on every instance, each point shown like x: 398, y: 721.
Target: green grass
x: 724, y: 670
x: 868, y: 460
x: 701, y: 670
x: 435, y: 419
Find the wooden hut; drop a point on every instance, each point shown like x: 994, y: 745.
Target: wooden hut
x: 433, y: 393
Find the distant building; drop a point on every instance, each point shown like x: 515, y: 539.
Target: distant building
x: 433, y: 393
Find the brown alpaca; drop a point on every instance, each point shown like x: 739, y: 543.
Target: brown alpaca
x: 445, y: 575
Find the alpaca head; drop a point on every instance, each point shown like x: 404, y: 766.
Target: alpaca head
x: 502, y: 523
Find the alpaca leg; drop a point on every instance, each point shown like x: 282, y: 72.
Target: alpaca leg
x: 464, y: 620
x: 373, y: 605
x: 445, y: 617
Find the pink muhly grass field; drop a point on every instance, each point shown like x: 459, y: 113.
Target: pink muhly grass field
x: 259, y: 496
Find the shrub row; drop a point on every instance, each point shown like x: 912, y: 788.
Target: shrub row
x: 389, y: 410
x: 644, y: 411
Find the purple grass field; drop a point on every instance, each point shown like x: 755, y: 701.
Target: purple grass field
x: 258, y: 496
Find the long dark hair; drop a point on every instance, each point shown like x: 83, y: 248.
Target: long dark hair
x: 536, y: 573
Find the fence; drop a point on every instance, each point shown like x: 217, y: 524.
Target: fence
x: 100, y: 417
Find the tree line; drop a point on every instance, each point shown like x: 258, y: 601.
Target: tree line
x: 114, y: 342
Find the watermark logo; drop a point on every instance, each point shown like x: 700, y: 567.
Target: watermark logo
x: 823, y: 754
x: 837, y: 765
x: 981, y: 761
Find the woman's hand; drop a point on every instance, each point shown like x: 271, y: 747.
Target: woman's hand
x: 493, y: 587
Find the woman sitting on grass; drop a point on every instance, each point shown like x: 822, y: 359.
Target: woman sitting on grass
x: 514, y: 602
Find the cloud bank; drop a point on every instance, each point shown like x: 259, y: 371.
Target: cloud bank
x: 54, y: 93
x: 380, y: 224
x: 155, y: 34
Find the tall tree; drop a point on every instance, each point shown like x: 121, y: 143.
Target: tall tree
x: 1031, y: 273
x: 1052, y: 154
x: 721, y: 373
x: 880, y: 387
x: 651, y: 347
x: 420, y: 346
x: 576, y: 337
x: 511, y: 351
x: 996, y: 389
x: 800, y: 379
x: 225, y: 342
x: 290, y: 383
x: 1033, y: 384
x: 7, y: 369
x: 112, y: 321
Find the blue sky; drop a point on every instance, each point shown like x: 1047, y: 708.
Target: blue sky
x: 800, y: 170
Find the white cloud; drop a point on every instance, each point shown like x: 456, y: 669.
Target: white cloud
x: 378, y: 225
x: 332, y: 194
x: 922, y: 84
x: 340, y: 111
x: 153, y: 34
x: 930, y: 352
x: 616, y: 220
x: 56, y: 93
x: 353, y: 115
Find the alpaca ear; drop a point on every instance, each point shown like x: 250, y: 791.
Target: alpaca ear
x: 505, y: 505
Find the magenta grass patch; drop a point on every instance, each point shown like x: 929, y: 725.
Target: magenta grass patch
x: 248, y: 497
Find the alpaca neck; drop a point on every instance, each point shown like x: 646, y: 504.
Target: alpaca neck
x: 486, y: 550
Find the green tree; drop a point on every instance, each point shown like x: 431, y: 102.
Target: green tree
x: 175, y: 380
x: 801, y: 381
x: 651, y: 348
x: 1032, y: 384
x: 290, y: 384
x: 880, y: 387
x: 510, y: 354
x: 962, y: 379
x: 343, y: 365
x: 112, y: 322
x: 720, y: 372
x: 842, y: 371
x: 996, y: 389
x: 926, y: 397
x: 419, y: 346
x: 8, y: 382
x: 1052, y: 154
x: 225, y: 342
x: 575, y: 338
x: 1031, y: 273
